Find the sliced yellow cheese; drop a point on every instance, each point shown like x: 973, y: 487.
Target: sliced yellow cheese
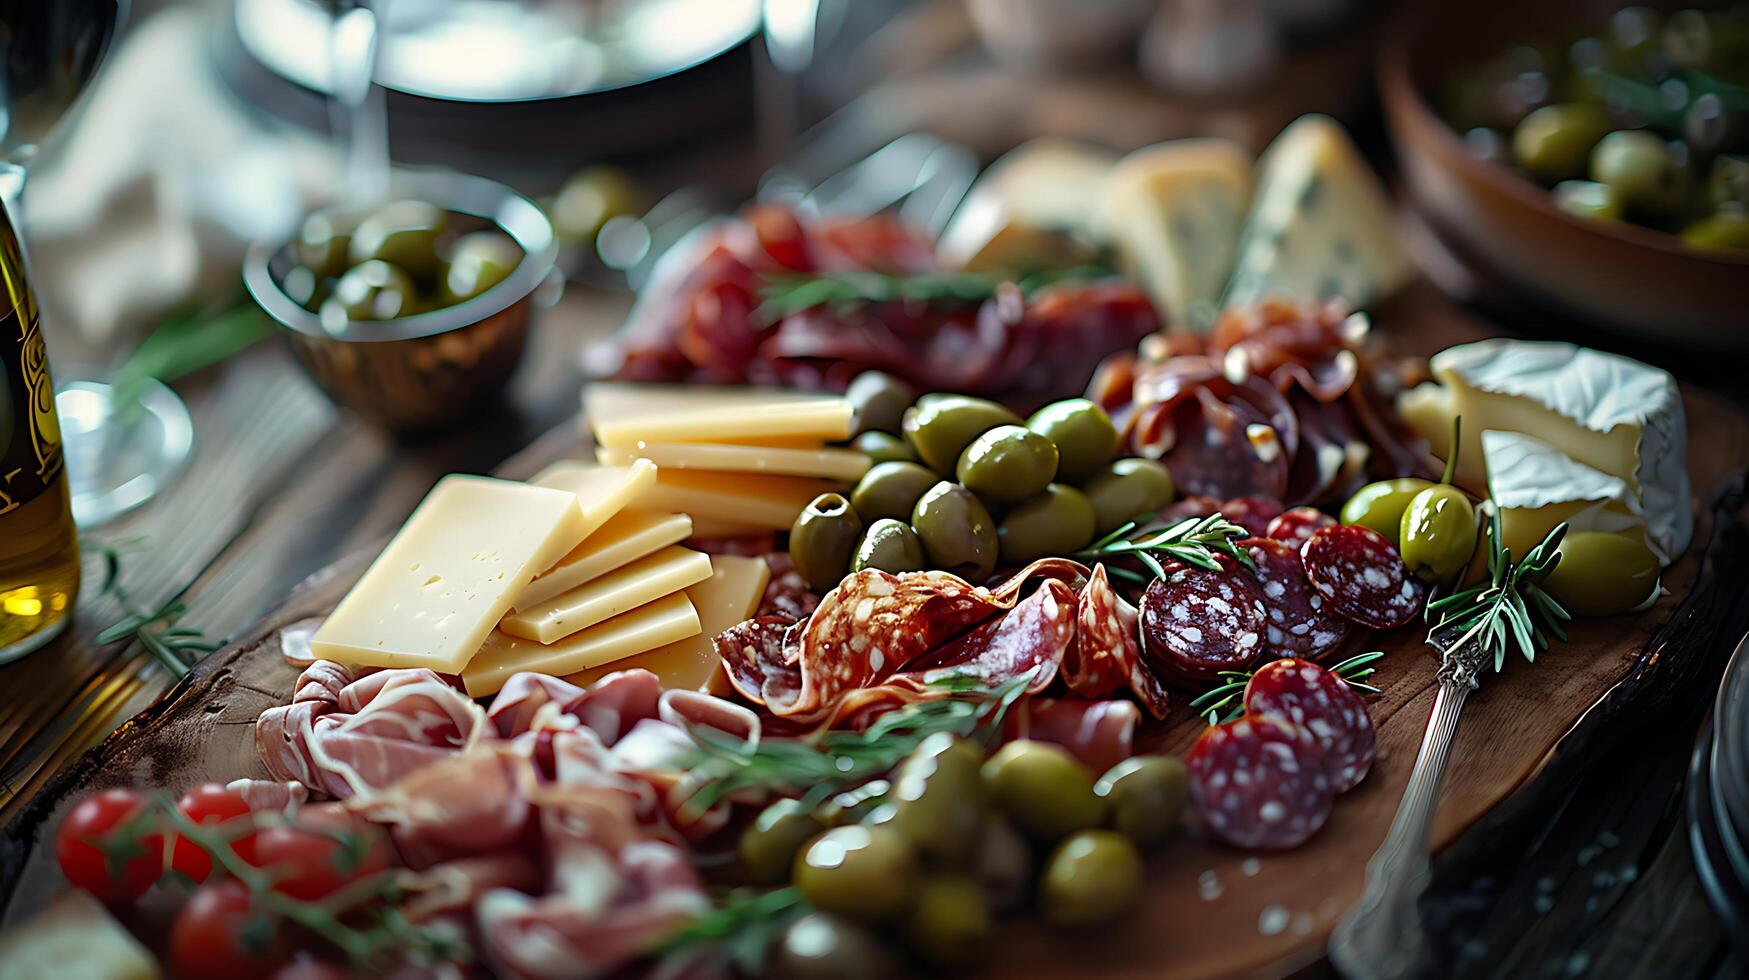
x: 770, y: 502
x: 730, y: 596
x: 624, y: 414
x: 840, y: 465
x: 626, y: 537
x: 711, y: 529
x: 647, y: 627
x: 450, y: 574
x: 622, y: 590
x: 602, y: 491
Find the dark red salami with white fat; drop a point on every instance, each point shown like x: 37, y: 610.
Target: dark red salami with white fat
x: 1197, y: 623
x: 1298, y: 525
x: 1325, y: 706
x: 1259, y: 782
x: 1361, y: 576
x: 1254, y: 514
x: 1299, y: 622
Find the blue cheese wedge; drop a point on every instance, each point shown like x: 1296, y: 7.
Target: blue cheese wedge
x: 1610, y: 413
x: 1175, y: 210
x: 1320, y: 225
x: 1036, y: 207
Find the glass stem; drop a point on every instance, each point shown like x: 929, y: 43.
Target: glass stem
x: 359, y: 112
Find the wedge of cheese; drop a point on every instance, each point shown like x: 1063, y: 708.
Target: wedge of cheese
x: 1536, y: 487
x: 1320, y: 225
x: 621, y: 590
x: 730, y: 596
x: 838, y: 465
x: 626, y: 537
x: 1036, y: 207
x: 1175, y: 210
x: 602, y: 491
x: 770, y: 502
x: 450, y: 574
x: 645, y: 628
x: 1612, y: 414
x: 625, y: 414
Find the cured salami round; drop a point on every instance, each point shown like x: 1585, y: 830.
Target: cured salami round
x: 1298, y: 525
x: 1254, y: 514
x: 1361, y: 576
x: 1299, y: 622
x: 1325, y: 706
x: 1197, y: 623
x: 1259, y: 782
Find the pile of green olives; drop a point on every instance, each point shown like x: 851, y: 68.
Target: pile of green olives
x: 963, y: 484
x: 952, y: 840
x: 1433, y: 525
x: 1646, y: 120
x: 404, y: 258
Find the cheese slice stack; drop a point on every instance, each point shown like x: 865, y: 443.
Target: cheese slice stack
x: 736, y: 461
x: 1609, y: 414
x: 1175, y: 210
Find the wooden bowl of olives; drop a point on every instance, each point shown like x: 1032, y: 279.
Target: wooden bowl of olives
x: 1591, y: 158
x: 412, y: 313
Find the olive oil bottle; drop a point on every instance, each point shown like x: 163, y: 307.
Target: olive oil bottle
x: 39, y: 549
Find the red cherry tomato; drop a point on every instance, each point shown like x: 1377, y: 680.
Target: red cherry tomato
x: 222, y: 934
x: 98, y: 833
x: 321, y: 853
x: 209, y: 804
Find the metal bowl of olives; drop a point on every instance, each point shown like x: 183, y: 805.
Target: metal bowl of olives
x: 412, y: 313
x: 1537, y: 191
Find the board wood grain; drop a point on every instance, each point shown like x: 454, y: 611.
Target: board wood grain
x: 1209, y: 911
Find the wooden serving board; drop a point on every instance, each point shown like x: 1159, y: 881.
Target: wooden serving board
x: 1209, y: 911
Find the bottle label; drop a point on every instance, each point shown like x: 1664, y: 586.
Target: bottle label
x: 30, y: 435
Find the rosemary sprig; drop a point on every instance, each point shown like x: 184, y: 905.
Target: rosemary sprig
x: 782, y: 295
x: 187, y: 341
x: 1217, y: 705
x: 1510, y: 608
x: 155, y: 629
x: 1194, y: 541
x: 838, y: 759
x: 742, y: 930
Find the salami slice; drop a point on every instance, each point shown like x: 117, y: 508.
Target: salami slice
x: 1325, y: 706
x: 1297, y: 526
x: 1198, y: 623
x: 1299, y: 622
x: 1259, y: 782
x: 1361, y: 576
x: 1254, y: 514
x: 1106, y: 654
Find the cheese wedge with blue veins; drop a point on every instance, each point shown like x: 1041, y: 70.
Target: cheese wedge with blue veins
x: 1320, y: 225
x: 1036, y: 207
x: 1175, y: 210
x: 1610, y: 413
x: 1535, y: 486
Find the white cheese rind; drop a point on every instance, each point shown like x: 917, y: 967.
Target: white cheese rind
x: 1536, y: 486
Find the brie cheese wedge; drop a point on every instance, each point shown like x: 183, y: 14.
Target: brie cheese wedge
x: 1536, y: 486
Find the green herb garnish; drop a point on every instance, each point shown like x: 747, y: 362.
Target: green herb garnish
x: 155, y: 629
x: 1195, y: 541
x: 1217, y: 705
x: 782, y: 295
x: 1509, y: 609
x: 742, y: 929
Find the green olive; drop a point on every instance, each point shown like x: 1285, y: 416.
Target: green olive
x: 891, y: 489
x: 823, y: 539
x: 880, y: 401
x: 940, y: 427
x: 1007, y: 464
x: 1601, y: 574
x: 1688, y: 40
x: 1588, y: 199
x: 1059, y: 521
x: 1437, y: 536
x: 1711, y: 126
x: 1633, y: 33
x: 371, y: 290
x: 1641, y: 168
x: 1728, y: 186
x: 867, y: 873
x: 1003, y: 864
x: 957, y: 532
x: 403, y: 233
x: 819, y: 946
x: 1146, y: 794
x: 1081, y: 431
x: 323, y: 243
x: 1723, y: 229
x: 589, y: 199
x: 890, y: 546
x: 1125, y: 489
x: 950, y: 924
x: 306, y: 288
x: 1380, y: 505
x: 479, y: 261
x: 768, y: 847
x: 1553, y: 142
x: 854, y: 805
x: 937, y: 798
x: 1046, y: 791
x: 1091, y: 877
x: 884, y: 447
